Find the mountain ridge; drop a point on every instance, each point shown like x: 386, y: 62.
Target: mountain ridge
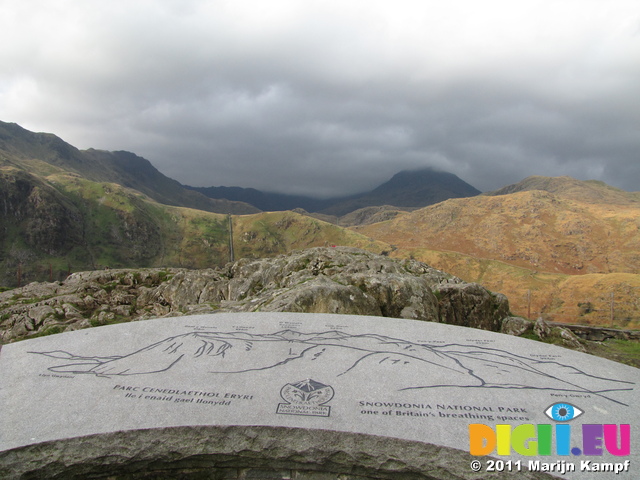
x: 19, y: 146
x: 589, y: 191
x: 46, y: 152
x: 524, y: 228
x: 556, y: 246
x: 407, y: 189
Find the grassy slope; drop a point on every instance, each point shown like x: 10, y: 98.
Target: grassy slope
x: 106, y: 225
x: 535, y: 230
x: 271, y: 233
x: 569, y: 254
x: 583, y: 299
x: 42, y: 154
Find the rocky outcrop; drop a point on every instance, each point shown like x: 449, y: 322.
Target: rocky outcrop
x: 319, y: 280
x: 546, y: 331
x: 49, y: 223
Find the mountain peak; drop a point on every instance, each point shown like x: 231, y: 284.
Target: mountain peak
x: 426, y: 179
x: 408, y: 189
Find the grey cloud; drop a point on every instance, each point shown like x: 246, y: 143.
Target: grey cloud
x: 328, y: 100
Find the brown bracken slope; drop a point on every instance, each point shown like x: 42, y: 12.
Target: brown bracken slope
x: 556, y: 246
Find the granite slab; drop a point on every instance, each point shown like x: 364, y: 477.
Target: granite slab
x: 380, y: 377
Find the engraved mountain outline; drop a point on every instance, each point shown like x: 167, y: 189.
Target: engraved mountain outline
x: 370, y: 355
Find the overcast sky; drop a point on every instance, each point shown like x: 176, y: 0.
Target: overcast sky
x: 333, y: 97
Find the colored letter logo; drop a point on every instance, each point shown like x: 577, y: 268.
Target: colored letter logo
x: 530, y: 440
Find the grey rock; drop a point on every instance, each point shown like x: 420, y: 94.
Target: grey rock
x: 40, y: 313
x: 472, y: 305
x: 541, y: 328
x: 569, y: 339
x: 600, y: 334
x: 560, y: 335
x: 317, y: 280
x: 516, y: 325
x: 105, y: 317
x: 236, y: 453
x: 71, y: 312
x: 320, y: 296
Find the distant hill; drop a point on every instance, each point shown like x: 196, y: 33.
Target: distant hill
x: 537, y: 236
x: 408, y: 189
x: 590, y: 191
x: 265, y: 201
x: 45, y: 153
x: 528, y: 228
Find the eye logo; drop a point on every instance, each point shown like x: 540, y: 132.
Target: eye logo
x: 531, y: 440
x: 563, y: 412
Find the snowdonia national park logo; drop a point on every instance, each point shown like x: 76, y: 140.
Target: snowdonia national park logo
x: 306, y: 397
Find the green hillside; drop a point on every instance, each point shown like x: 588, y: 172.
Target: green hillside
x: 62, y: 223
x: 43, y: 154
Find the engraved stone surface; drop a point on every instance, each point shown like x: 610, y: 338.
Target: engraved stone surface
x: 369, y: 397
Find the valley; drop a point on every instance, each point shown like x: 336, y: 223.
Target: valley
x: 564, y: 249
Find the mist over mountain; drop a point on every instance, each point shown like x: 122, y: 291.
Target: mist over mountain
x: 42, y: 151
x: 266, y: 201
x: 64, y: 210
x: 408, y: 189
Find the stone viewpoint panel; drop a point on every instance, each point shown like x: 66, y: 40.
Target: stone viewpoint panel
x: 369, y: 397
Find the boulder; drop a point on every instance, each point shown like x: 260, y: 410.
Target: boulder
x: 516, y: 326
x: 556, y: 334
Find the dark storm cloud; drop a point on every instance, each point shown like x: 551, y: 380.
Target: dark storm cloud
x: 329, y: 98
